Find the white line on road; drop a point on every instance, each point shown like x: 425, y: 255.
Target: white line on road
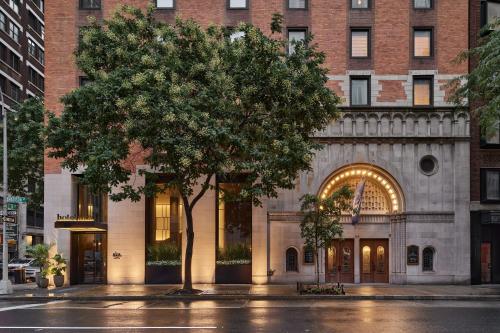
x: 27, y: 306
x: 68, y: 328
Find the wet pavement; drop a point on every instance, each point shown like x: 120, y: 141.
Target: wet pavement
x: 251, y: 316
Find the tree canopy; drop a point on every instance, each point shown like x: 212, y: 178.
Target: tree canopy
x: 192, y: 103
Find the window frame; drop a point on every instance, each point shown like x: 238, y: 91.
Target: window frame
x: 369, y: 7
x: 166, y: 8
x: 14, y: 5
x: 433, y: 259
x: 487, y: 145
x: 369, y: 42
x: 14, y: 28
x: 422, y: 8
x: 431, y: 90
x: 294, y: 29
x: 305, y: 249
x: 296, y: 270
x: 483, y: 16
x: 247, y: 6
x: 368, y: 90
x: 3, y: 22
x: 306, y: 6
x: 81, y: 7
x: 431, y: 42
x: 483, y: 189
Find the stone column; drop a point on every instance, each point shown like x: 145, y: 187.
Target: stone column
x: 259, y: 244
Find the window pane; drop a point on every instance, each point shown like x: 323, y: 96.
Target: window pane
x: 422, y: 43
x: 360, y: 3
x: 236, y: 35
x: 90, y: 4
x: 295, y: 36
x: 493, y: 134
x: 422, y: 92
x: 493, y: 11
x: 165, y: 3
x: 428, y: 259
x: 366, y: 267
x: 237, y: 3
x: 422, y: 3
x: 297, y: 3
x: 493, y: 185
x: 359, y: 92
x: 359, y: 43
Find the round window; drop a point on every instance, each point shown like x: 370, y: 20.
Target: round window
x: 428, y: 165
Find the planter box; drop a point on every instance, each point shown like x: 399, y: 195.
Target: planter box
x: 163, y: 274
x: 233, y: 274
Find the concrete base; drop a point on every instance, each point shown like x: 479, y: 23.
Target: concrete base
x: 6, y: 287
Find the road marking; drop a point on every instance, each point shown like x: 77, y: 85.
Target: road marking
x: 73, y: 328
x: 28, y: 306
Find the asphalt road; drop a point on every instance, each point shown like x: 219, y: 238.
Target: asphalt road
x: 251, y: 316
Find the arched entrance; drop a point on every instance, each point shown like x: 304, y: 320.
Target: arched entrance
x: 363, y: 253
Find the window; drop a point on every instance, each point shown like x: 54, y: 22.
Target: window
x: 236, y: 35
x: 360, y: 91
x: 15, y: 92
x: 428, y: 165
x: 492, y: 135
x: 297, y: 4
x: 14, y: 4
x: 238, y: 4
x: 39, y: 4
x: 36, y: 79
x: 14, y: 32
x: 422, y: 42
x: 84, y: 81
x: 294, y: 36
x: 41, y: 57
x: 360, y: 43
x: 14, y: 61
x: 490, y: 11
x: 90, y: 4
x: 31, y: 47
x: 292, y: 264
x: 428, y: 259
x: 3, y: 52
x: 2, y: 22
x: 360, y: 4
x: 308, y: 255
x: 422, y: 91
x: 165, y: 4
x: 92, y: 206
x: 490, y: 185
x: 36, y: 25
x: 422, y: 4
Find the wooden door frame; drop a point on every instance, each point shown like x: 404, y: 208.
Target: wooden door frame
x: 74, y: 269
x: 345, y: 277
x: 373, y: 243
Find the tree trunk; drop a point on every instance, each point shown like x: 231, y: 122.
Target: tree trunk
x: 317, y: 267
x: 188, y: 282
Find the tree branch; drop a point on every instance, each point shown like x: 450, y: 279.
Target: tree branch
x: 204, y: 189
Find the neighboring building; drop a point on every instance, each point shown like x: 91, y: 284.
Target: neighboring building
x: 22, y: 63
x: 485, y: 173
x: 390, y: 61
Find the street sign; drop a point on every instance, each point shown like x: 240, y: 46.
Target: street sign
x: 12, y: 206
x: 9, y: 219
x: 17, y: 200
x: 9, y: 213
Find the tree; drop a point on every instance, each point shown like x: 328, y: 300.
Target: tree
x: 482, y: 85
x: 26, y: 143
x: 320, y: 223
x: 192, y: 104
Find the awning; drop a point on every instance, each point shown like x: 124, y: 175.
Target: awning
x: 79, y: 224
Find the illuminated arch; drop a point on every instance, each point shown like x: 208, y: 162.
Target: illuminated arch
x: 382, y: 193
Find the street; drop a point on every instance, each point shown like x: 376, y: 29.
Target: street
x: 251, y: 316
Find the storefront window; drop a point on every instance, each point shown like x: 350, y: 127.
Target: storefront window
x: 92, y: 206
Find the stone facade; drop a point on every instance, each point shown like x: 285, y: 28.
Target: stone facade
x: 390, y: 137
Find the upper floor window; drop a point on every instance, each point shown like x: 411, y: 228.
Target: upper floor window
x: 14, y: 4
x: 360, y: 91
x: 169, y: 4
x: 422, y: 42
x: 490, y: 185
x: 422, y: 4
x: 292, y: 262
x: 40, y: 4
x: 93, y: 206
x: 14, y: 32
x: 428, y: 259
x: 14, y: 61
x: 236, y: 35
x: 492, y: 136
x: 294, y: 36
x: 238, y: 4
x: 2, y: 22
x: 360, y: 40
x: 84, y: 81
x: 90, y: 4
x: 490, y: 11
x: 422, y: 91
x: 35, y: 24
x: 15, y: 92
x: 31, y: 47
x: 41, y: 57
x: 360, y: 4
x: 297, y: 4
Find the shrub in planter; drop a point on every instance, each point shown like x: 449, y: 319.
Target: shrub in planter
x: 164, y: 254
x: 40, y: 252
x: 58, y: 269
x: 234, y: 254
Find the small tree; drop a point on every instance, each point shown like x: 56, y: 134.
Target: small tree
x: 191, y: 103
x: 482, y: 85
x: 320, y: 224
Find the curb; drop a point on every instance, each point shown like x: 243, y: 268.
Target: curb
x: 253, y: 298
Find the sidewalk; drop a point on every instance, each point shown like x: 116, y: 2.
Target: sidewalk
x: 29, y: 292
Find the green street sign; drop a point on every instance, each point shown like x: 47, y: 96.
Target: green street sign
x: 17, y: 200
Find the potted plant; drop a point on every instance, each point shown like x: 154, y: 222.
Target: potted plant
x: 40, y: 252
x: 57, y: 270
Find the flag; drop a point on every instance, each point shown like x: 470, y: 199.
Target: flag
x: 358, y: 199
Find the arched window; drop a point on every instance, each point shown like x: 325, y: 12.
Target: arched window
x: 292, y: 262
x: 428, y: 259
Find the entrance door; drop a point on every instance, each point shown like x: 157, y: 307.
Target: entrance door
x: 340, y: 261
x: 374, y: 260
x: 485, y: 262
x: 88, y: 258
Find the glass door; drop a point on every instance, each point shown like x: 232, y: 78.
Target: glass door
x: 485, y: 262
x: 88, y: 260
